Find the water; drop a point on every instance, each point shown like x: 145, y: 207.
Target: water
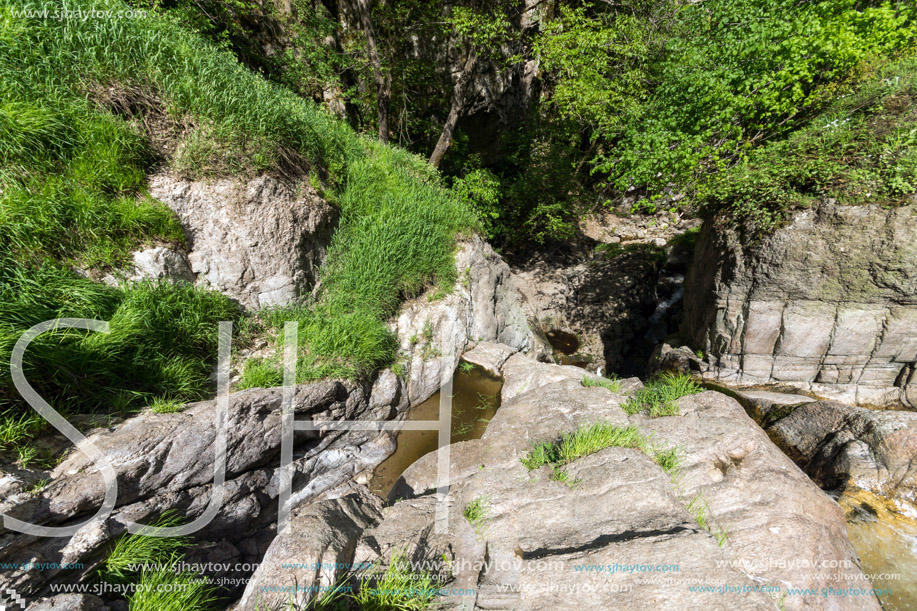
x: 474, y: 402
x: 887, y: 545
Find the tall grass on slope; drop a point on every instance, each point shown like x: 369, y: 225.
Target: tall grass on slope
x: 73, y: 175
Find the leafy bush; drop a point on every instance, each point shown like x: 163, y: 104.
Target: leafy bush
x: 861, y: 149
x: 691, y: 90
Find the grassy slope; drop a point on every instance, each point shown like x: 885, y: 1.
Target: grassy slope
x: 72, y: 177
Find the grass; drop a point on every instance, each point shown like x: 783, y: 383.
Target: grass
x: 590, y: 439
x: 260, y: 373
x: 151, y: 564
x: 475, y: 513
x: 398, y: 588
x: 134, y: 550
x: 169, y: 589
x: 660, y: 394
x: 700, y: 511
x: 166, y: 406
x: 612, y: 384
x: 73, y: 166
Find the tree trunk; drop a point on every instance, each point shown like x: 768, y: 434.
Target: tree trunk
x: 455, y: 111
x: 382, y: 79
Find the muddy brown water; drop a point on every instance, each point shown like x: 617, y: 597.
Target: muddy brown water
x: 475, y: 400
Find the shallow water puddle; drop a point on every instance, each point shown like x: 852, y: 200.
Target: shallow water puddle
x: 475, y: 400
x: 887, y: 547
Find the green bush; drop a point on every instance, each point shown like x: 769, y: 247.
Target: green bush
x: 861, y: 149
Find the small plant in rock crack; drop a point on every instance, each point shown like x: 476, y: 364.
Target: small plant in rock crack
x: 659, y: 395
x: 131, y: 551
x: 476, y: 514
x: 466, y: 367
x: 612, y: 384
x: 398, y: 588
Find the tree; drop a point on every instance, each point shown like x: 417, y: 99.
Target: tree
x: 477, y: 33
x: 381, y: 77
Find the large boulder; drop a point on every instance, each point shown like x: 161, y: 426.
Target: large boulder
x: 260, y: 242
x: 849, y: 448
x: 738, y: 518
x: 313, y: 554
x: 166, y: 462
x: 484, y: 306
x: 827, y: 304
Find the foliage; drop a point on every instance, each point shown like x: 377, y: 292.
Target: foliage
x: 590, y: 439
x: 861, y: 149
x: 132, y: 551
x: 659, y: 395
x: 172, y: 589
x: 687, y: 93
x: 398, y: 588
x: 73, y: 195
x: 612, y: 384
x: 475, y: 513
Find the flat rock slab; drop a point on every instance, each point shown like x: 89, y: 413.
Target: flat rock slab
x: 489, y: 356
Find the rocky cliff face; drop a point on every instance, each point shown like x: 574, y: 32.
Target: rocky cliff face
x: 827, y: 304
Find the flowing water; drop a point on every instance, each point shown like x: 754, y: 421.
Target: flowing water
x: 475, y: 399
x: 887, y: 546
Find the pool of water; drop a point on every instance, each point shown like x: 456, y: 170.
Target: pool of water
x: 886, y: 543
x: 475, y: 399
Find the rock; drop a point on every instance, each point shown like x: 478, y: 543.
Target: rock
x: 623, y: 510
x: 605, y: 303
x: 260, y: 242
x: 484, y: 306
x: 320, y: 543
x: 852, y: 448
x: 766, y: 407
x: 165, y: 461
x: 489, y: 356
x: 161, y: 262
x: 826, y: 304
x: 69, y: 602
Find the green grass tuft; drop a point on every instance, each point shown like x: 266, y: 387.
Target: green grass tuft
x: 131, y: 551
x: 612, y: 384
x: 659, y: 395
x: 398, y: 588
x: 476, y: 513
x: 170, y: 589
x: 166, y: 406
